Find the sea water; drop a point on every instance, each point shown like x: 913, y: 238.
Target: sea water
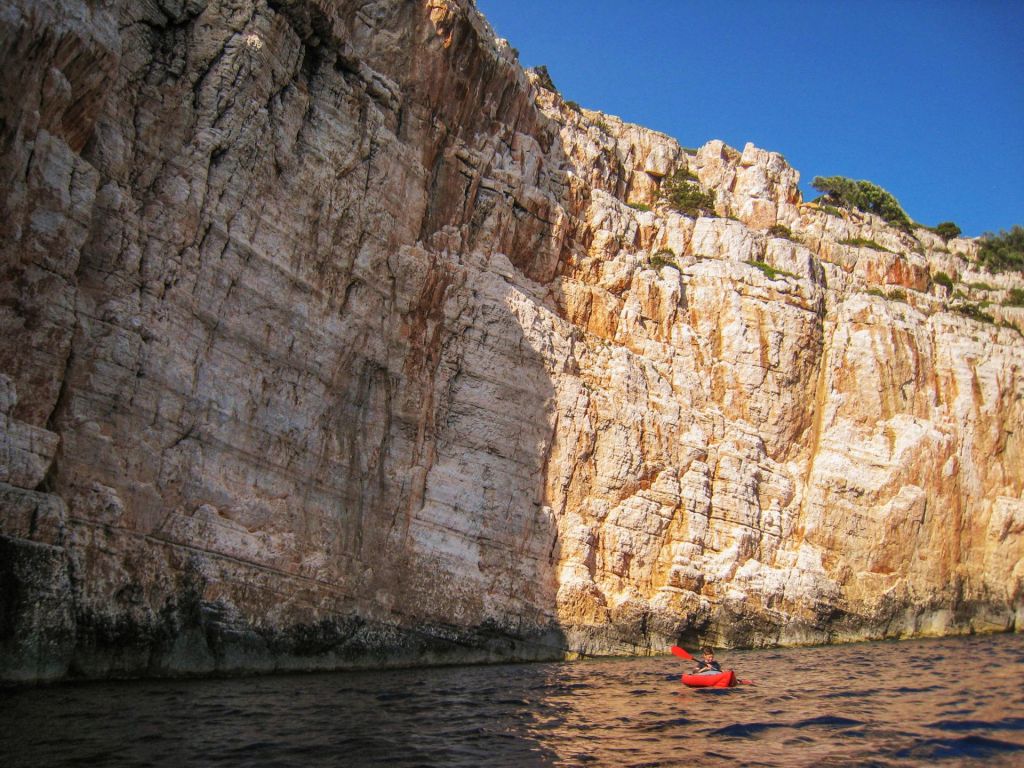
x: 956, y: 701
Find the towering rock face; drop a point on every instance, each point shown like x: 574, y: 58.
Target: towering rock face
x: 332, y: 338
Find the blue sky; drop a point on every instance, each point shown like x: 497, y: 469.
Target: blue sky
x: 924, y: 98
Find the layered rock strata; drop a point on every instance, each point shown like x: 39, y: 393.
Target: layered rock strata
x: 332, y: 338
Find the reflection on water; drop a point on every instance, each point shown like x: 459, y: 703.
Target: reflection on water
x: 954, y: 702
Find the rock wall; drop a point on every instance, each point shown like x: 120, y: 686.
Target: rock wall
x: 331, y: 338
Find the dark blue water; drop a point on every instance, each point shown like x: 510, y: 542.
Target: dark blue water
x: 948, y: 702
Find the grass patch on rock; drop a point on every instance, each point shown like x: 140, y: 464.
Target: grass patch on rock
x: 771, y: 272
x: 973, y: 311
x: 1015, y: 298
x: 861, y: 242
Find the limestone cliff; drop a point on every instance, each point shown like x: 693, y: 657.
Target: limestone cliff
x: 333, y: 338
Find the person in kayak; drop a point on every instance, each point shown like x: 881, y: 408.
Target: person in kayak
x: 707, y: 665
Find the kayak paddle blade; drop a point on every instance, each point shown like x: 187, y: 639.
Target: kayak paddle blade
x: 677, y: 651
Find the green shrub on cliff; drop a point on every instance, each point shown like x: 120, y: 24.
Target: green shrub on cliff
x: 681, y: 193
x: 941, y: 278
x: 666, y: 257
x: 864, y: 196
x: 947, y: 230
x: 781, y: 230
x: 1015, y: 298
x: 1003, y: 252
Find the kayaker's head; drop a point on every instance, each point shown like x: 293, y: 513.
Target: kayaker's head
x: 709, y: 654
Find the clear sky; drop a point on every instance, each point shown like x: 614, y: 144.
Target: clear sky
x: 923, y: 97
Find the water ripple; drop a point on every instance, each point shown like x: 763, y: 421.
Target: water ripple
x: 967, y: 746
x: 1007, y: 723
x: 828, y: 720
x: 742, y: 730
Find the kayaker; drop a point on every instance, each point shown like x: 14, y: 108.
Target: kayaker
x: 707, y: 665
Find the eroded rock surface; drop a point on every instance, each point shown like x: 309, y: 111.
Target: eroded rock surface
x: 332, y: 338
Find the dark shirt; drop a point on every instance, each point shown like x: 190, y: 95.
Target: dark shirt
x: 707, y: 666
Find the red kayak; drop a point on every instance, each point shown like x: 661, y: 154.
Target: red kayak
x: 726, y: 679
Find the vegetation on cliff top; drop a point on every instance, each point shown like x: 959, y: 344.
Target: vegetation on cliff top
x: 864, y: 196
x: 947, y: 230
x: 1003, y: 252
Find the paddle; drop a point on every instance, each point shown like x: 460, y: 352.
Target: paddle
x: 677, y: 651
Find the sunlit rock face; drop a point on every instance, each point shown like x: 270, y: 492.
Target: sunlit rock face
x: 331, y: 338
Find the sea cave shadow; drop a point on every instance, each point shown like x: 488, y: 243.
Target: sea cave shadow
x: 480, y: 550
